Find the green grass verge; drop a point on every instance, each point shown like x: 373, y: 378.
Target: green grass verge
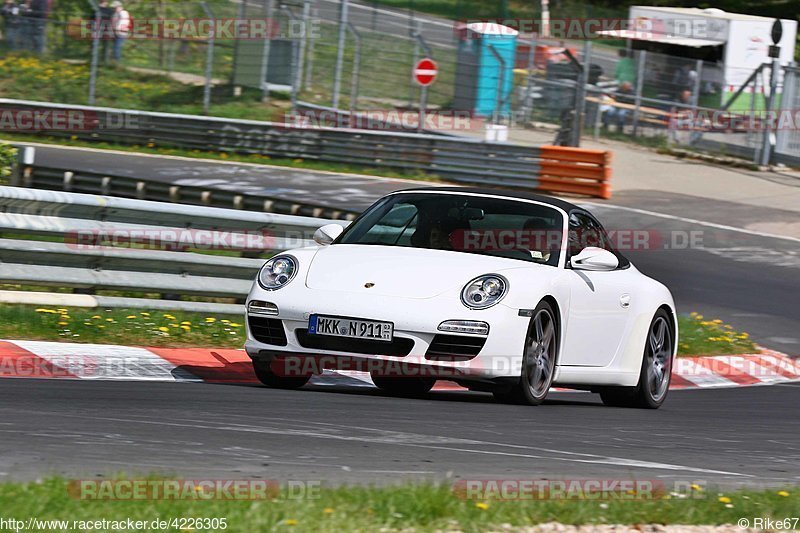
x: 701, y: 336
x: 406, y: 507
x: 175, y: 328
x: 52, y: 80
x: 131, y: 327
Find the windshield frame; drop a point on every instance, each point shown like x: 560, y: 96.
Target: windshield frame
x: 564, y: 223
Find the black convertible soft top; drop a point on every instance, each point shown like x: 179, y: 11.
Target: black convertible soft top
x: 523, y: 195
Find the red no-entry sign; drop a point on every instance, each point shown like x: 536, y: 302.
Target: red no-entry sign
x: 425, y: 72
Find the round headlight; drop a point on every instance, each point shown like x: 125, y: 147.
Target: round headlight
x: 277, y: 272
x: 484, y: 291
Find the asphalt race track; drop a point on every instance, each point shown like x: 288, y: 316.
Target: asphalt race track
x: 339, y: 191
x: 727, y: 437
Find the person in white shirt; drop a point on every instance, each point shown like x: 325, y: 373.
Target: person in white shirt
x: 121, y: 24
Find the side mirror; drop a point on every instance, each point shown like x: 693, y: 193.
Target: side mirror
x: 596, y: 259
x: 327, y: 234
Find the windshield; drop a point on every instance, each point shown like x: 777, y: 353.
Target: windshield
x: 462, y: 223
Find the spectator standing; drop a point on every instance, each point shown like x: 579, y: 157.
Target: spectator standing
x: 106, y: 33
x: 25, y: 25
x: 37, y: 25
x: 684, y: 78
x: 121, y: 23
x: 12, y: 23
x: 625, y: 71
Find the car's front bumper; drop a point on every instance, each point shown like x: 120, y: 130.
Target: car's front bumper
x: 415, y: 320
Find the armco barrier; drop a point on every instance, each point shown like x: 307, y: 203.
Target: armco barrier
x: 460, y: 160
x: 91, y: 242
x: 575, y: 171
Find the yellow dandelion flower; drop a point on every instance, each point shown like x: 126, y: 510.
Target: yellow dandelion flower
x: 109, y: 320
x: 724, y: 499
x: 698, y: 317
x: 144, y: 314
x: 130, y: 316
x: 235, y: 325
x: 327, y: 510
x: 95, y: 317
x: 101, y: 326
x: 291, y: 522
x: 482, y: 506
x: 169, y: 317
x: 62, y: 323
x: 164, y: 329
x: 43, y: 310
x: 695, y: 486
x: 783, y: 493
x: 186, y: 328
x: 211, y: 320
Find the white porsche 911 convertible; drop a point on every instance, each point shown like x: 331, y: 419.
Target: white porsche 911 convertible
x: 499, y: 291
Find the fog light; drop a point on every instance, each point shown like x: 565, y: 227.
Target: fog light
x: 465, y: 326
x: 257, y: 307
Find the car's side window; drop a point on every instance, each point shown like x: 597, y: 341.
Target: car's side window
x: 584, y: 231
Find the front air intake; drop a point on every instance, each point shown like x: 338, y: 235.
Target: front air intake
x: 454, y: 347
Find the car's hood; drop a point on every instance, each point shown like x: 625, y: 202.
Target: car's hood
x: 399, y: 271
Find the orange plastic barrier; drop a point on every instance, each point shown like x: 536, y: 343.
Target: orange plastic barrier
x: 575, y: 171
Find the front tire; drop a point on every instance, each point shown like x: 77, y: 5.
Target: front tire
x: 655, y: 373
x: 269, y: 378
x: 538, y: 360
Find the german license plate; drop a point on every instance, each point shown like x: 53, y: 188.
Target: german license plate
x: 350, y: 327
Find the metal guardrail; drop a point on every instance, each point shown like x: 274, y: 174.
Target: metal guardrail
x: 93, y: 243
x: 37, y: 176
x: 462, y: 160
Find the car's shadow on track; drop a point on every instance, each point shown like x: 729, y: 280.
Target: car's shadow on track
x: 572, y: 399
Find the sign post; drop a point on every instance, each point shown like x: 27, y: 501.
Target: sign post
x: 775, y: 53
x: 425, y: 72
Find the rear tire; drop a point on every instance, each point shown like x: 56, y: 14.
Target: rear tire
x: 538, y: 361
x: 266, y: 376
x: 404, y: 386
x: 655, y: 373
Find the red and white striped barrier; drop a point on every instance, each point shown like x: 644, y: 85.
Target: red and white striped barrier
x: 56, y: 360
